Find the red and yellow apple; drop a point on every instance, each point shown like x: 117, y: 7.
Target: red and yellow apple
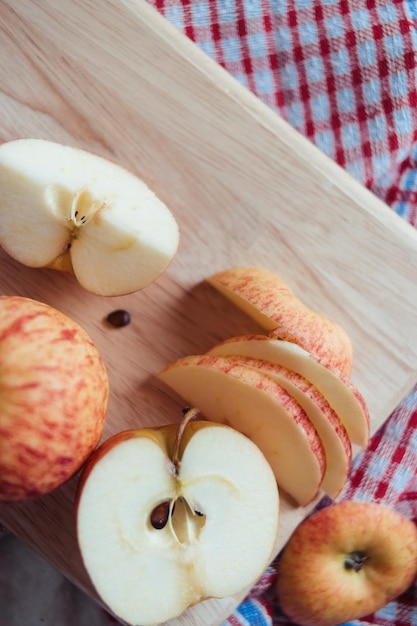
x: 346, y: 561
x: 53, y: 398
x: 167, y: 517
x: 74, y: 211
x: 270, y: 302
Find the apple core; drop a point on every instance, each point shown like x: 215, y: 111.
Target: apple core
x: 184, y: 522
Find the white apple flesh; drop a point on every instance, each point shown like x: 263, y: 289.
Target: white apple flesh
x: 256, y: 405
x: 71, y: 210
x: 339, y: 391
x: 150, y: 560
x: 345, y: 562
x: 53, y: 398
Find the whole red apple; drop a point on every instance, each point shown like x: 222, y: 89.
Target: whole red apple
x: 53, y: 398
x: 346, y: 561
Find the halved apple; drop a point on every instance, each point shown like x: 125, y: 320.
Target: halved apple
x: 256, y: 405
x: 270, y: 302
x: 331, y: 431
x: 71, y: 210
x: 170, y: 516
x: 342, y: 395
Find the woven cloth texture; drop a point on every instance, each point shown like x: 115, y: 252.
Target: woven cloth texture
x: 344, y: 74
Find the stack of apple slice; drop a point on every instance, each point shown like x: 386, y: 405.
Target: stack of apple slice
x: 288, y: 391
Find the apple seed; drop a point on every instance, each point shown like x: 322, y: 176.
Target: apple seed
x: 160, y: 515
x: 119, y: 318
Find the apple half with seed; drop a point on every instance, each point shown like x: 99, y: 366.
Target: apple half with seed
x: 346, y: 561
x: 54, y: 392
x: 167, y: 517
x: 71, y: 210
x: 255, y: 404
x: 270, y: 302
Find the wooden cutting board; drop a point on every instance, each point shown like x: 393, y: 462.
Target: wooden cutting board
x: 116, y: 78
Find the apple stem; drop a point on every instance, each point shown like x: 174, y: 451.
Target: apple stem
x: 189, y: 414
x: 355, y: 561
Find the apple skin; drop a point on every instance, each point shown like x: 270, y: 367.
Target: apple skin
x: 54, y: 393
x: 270, y: 302
x: 314, y: 586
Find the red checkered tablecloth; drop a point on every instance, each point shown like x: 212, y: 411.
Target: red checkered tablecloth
x: 344, y: 74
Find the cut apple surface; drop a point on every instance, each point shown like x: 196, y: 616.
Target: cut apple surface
x: 342, y: 395
x: 331, y: 431
x: 256, y: 405
x: 271, y: 303
x: 163, y: 522
x: 71, y: 210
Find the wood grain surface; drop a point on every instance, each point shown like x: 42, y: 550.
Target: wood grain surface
x: 116, y: 78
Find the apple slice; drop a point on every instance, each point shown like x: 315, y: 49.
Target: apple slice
x: 331, y: 431
x: 71, y: 210
x: 170, y: 516
x: 271, y: 303
x: 256, y: 405
x: 342, y: 395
